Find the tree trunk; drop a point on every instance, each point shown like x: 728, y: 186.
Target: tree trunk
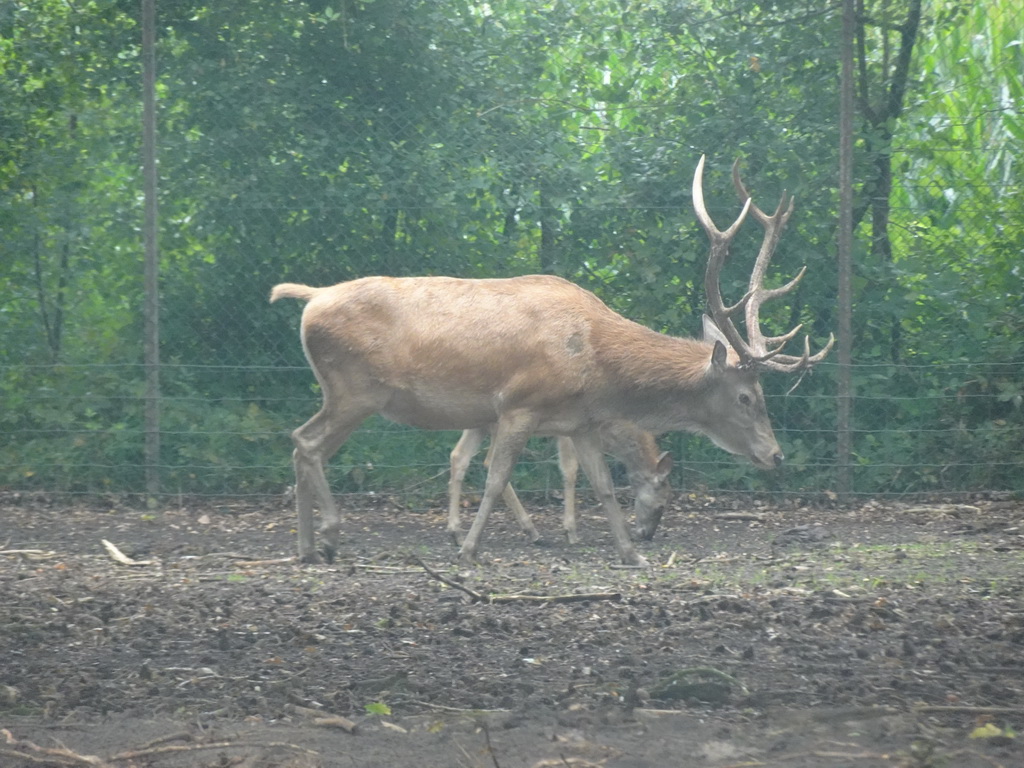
x: 880, y: 117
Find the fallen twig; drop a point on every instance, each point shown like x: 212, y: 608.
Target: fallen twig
x: 465, y: 753
x: 476, y: 596
x: 118, y: 556
x: 756, y: 517
x: 60, y: 753
x: 30, y: 554
x: 490, y: 747
x: 161, y: 740
x: 460, y: 710
x: 174, y: 748
x: 258, y: 563
x: 493, y: 599
x: 943, y: 509
x: 375, y: 568
x: 325, y: 719
x: 49, y: 761
x: 63, y: 756
x: 335, y: 721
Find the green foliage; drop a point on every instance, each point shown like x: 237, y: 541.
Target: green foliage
x: 76, y: 428
x: 67, y: 180
x: 316, y: 142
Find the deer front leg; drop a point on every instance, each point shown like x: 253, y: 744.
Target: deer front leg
x: 462, y: 454
x: 569, y: 466
x: 507, y: 442
x: 588, y: 449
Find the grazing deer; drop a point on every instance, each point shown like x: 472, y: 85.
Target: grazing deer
x: 533, y: 355
x: 647, y: 467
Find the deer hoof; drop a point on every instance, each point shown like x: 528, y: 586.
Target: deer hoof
x: 644, y: 534
x: 467, y: 559
x: 330, y: 552
x: 635, y: 561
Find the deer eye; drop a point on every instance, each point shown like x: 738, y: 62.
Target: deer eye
x: 744, y: 399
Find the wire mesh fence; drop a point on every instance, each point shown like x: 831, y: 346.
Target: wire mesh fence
x: 302, y: 142
x: 81, y: 434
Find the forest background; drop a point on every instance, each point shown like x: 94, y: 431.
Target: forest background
x: 316, y: 142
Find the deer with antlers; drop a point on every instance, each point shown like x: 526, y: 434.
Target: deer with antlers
x: 533, y: 355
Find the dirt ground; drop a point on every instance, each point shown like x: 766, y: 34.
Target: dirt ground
x: 764, y: 635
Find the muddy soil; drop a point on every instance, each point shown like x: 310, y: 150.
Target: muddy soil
x: 763, y: 635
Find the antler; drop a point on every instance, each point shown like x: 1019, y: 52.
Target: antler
x: 719, y: 240
x: 759, y: 350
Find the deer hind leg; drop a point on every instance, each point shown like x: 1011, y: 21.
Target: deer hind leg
x: 507, y: 441
x: 569, y: 465
x: 591, y: 458
x: 462, y: 454
x: 315, y: 442
x: 512, y: 501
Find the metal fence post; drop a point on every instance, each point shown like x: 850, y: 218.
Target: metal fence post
x: 844, y: 395
x: 151, y: 308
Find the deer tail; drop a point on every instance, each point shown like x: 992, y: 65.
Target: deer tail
x: 292, y: 291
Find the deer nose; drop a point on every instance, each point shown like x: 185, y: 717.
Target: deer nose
x: 778, y: 458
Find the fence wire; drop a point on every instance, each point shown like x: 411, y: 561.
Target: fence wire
x: 311, y: 144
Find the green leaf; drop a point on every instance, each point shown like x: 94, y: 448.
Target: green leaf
x: 377, y: 708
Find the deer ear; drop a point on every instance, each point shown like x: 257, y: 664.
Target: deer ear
x: 665, y: 464
x: 719, y: 357
x: 712, y: 333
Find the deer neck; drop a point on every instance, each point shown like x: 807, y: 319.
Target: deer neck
x: 656, y: 381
